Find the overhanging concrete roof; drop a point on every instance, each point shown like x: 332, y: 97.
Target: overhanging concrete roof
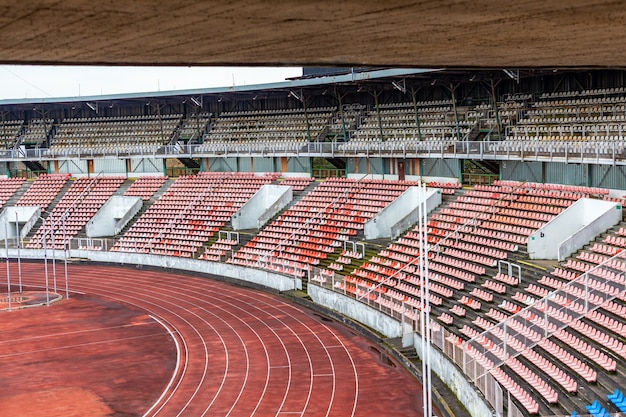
x: 423, y: 34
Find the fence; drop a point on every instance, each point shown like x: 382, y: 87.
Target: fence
x: 542, y: 318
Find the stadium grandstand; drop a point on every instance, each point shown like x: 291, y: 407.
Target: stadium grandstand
x: 309, y: 186
x: 467, y: 217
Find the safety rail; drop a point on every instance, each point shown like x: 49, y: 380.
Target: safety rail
x: 544, y: 317
x: 608, y: 152
x: 91, y: 244
x: 446, y: 341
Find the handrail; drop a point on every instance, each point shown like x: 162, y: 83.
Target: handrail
x: 169, y: 227
x: 321, y: 212
x: 427, y: 248
x: 549, y: 327
x: 79, y: 199
x: 606, y: 152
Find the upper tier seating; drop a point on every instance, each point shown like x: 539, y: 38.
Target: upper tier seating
x: 36, y: 133
x: 9, y: 130
x: 593, y: 115
x: 233, y: 130
x: 194, y: 128
x: 106, y: 135
x: 398, y: 123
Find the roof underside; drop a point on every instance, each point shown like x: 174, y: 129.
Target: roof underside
x: 429, y: 33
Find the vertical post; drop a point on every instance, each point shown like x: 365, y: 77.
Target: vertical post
x: 19, y: 260
x: 380, y: 121
x: 67, y: 291
x: 425, y: 302
x: 417, y: 117
x: 45, y: 262
x: 54, y: 265
x: 456, y: 114
x: 6, y: 246
x: 495, y: 107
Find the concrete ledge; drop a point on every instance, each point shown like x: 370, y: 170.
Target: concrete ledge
x: 256, y: 276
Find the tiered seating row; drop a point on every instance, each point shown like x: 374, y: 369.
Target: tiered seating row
x: 78, y: 205
x: 333, y: 211
x: 297, y: 183
x: 145, y: 187
x: 190, y: 212
x: 8, y: 187
x: 43, y: 190
x: 114, y: 134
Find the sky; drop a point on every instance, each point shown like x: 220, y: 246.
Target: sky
x: 22, y: 81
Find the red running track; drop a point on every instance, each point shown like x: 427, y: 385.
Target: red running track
x: 242, y: 352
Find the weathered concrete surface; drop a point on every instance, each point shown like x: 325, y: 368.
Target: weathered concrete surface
x: 431, y: 33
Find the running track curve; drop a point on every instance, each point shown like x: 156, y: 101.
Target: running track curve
x: 244, y: 352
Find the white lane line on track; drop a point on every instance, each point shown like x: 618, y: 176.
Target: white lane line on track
x: 306, y: 350
x: 174, y: 374
x: 237, y: 297
x: 23, y: 339
x: 43, y: 287
x: 100, y: 342
x: 169, y: 285
x: 142, y: 303
x: 175, y: 295
x: 356, y: 375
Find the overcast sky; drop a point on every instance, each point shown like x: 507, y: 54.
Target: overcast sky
x: 21, y: 81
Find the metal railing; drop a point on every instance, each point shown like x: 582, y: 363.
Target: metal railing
x: 613, y: 152
x: 407, y: 313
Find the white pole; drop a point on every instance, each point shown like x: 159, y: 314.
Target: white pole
x: 422, y: 247
x: 19, y: 260
x: 54, y: 264
x: 67, y: 291
x: 6, y: 246
x: 427, y: 312
x: 45, y: 262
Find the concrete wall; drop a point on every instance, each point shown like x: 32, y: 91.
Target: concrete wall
x: 573, y: 228
x: 264, y: 204
x: 609, y: 214
x: 113, y: 216
x: 347, y: 306
x: 392, y: 220
x: 26, y: 217
x: 464, y: 390
x: 241, y: 273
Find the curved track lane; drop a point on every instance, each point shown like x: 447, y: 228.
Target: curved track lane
x: 243, y: 352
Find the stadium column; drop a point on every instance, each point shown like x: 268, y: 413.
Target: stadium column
x: 417, y: 118
x: 495, y: 106
x: 380, y: 121
x: 343, y: 120
x: 456, y: 114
